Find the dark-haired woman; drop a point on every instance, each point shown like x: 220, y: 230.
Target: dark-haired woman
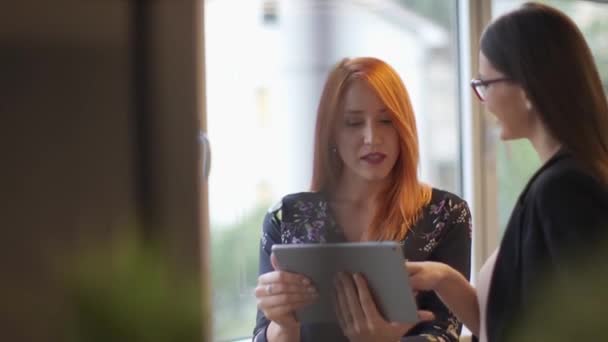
x: 538, y: 77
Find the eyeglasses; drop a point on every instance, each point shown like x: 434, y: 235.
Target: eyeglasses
x: 480, y: 87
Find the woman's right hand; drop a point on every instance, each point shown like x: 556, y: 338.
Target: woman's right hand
x: 280, y: 294
x: 427, y: 275
x: 451, y: 286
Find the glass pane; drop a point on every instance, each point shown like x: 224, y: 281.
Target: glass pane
x: 266, y: 62
x: 517, y: 161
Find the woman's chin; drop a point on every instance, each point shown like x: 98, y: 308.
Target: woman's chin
x: 506, y: 135
x: 377, y: 176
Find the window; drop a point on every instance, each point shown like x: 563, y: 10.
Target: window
x: 266, y: 62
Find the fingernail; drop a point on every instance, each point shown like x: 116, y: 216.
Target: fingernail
x: 305, y: 281
x: 311, y: 289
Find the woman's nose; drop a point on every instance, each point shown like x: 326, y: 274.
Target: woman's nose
x: 371, y: 134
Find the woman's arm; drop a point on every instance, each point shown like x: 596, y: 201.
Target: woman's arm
x: 452, y: 287
x: 266, y: 330
x: 453, y: 250
x: 457, y: 293
x: 277, y: 333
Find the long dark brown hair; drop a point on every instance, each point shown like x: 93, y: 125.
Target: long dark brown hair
x: 542, y: 49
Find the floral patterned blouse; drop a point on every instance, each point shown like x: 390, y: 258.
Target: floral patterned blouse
x: 443, y: 233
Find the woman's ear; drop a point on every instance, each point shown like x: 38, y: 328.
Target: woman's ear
x: 526, y: 100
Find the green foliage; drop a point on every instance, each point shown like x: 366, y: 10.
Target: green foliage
x: 234, y: 267
x: 596, y: 32
x: 128, y: 291
x: 517, y: 161
x: 571, y: 309
x: 441, y: 12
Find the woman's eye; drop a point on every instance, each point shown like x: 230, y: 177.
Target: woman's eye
x: 354, y: 123
x: 386, y: 121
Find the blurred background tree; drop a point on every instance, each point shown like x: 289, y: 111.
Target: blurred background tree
x: 235, y: 270
x: 438, y: 11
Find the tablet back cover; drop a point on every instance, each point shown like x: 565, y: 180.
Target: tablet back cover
x: 381, y: 263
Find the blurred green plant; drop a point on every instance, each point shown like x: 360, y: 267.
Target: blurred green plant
x: 517, y: 162
x: 441, y: 12
x: 128, y: 290
x: 573, y: 308
x: 235, y: 250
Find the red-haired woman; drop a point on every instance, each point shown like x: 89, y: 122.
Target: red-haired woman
x: 365, y: 187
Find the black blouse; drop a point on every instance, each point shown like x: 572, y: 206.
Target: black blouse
x: 443, y: 234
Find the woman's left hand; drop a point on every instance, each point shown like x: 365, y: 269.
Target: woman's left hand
x: 358, y: 315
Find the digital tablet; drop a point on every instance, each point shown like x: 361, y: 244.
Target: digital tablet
x: 381, y: 263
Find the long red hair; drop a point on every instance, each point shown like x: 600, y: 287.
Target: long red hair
x: 399, y: 207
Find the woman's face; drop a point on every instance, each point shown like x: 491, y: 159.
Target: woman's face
x: 507, y: 101
x: 366, y: 140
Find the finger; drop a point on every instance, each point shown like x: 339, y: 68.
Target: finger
x: 368, y: 305
x: 284, y: 288
x: 403, y: 328
x: 342, y: 305
x: 282, y: 277
x: 282, y: 317
x: 352, y: 300
x: 280, y: 309
x: 338, y: 311
x: 416, y: 283
x: 281, y: 312
x: 425, y: 315
x: 274, y: 262
x: 268, y: 302
x: 420, y: 283
x: 413, y: 267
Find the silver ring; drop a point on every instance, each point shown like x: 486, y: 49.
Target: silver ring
x: 269, y: 289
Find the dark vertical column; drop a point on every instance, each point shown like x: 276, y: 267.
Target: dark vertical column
x: 140, y: 116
